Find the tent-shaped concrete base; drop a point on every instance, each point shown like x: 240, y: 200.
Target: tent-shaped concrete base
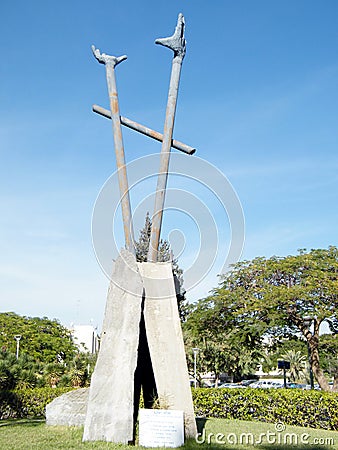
x: 141, y: 344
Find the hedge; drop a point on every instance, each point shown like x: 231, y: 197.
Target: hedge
x: 315, y: 409
x: 26, y: 403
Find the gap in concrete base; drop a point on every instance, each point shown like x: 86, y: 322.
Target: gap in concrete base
x: 144, y: 374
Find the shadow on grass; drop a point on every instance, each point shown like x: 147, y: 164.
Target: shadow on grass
x: 22, y: 422
x: 200, y: 423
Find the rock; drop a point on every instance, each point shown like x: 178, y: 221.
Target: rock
x: 69, y: 409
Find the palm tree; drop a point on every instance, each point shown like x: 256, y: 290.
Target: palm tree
x: 298, y: 363
x: 17, y: 373
x: 78, y: 371
x: 53, y: 373
x: 7, y: 378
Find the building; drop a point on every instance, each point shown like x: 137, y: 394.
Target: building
x: 85, y: 338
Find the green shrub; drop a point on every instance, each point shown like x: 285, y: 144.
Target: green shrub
x: 316, y: 409
x: 22, y: 403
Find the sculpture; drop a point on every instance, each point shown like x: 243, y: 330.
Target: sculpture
x: 141, y: 340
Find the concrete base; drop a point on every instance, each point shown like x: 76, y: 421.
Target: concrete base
x: 111, y: 395
x: 165, y: 340
x: 141, y: 345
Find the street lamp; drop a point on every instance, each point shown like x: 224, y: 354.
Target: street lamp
x: 195, y: 350
x: 307, y: 323
x: 17, y: 337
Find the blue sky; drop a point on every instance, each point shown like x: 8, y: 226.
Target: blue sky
x: 258, y: 99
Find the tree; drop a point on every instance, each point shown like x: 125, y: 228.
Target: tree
x: 223, y: 345
x: 81, y: 368
x: 328, y: 352
x: 277, y: 348
x: 287, y: 296
x: 23, y: 372
x: 164, y: 255
x: 298, y: 365
x: 47, y: 355
x: 199, y: 334
x: 53, y: 373
x: 7, y: 377
x: 41, y: 338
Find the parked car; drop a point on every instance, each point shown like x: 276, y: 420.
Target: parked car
x: 316, y: 387
x: 231, y: 385
x: 247, y: 382
x: 266, y: 384
x: 296, y: 386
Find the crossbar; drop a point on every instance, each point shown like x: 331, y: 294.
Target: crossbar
x: 144, y: 130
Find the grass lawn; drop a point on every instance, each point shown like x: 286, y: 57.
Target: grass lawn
x: 222, y: 434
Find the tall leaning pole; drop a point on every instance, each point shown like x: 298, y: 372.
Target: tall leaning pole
x: 110, y: 63
x: 177, y: 44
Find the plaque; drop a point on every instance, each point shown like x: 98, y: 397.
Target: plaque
x: 161, y: 428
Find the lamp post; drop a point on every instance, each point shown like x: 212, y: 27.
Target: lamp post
x: 17, y: 337
x: 195, y: 350
x: 307, y: 323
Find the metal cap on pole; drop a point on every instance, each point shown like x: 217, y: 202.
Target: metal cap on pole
x: 110, y: 62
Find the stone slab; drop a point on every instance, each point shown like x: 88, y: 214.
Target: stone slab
x: 69, y: 409
x: 161, y: 428
x: 111, y: 395
x: 165, y: 340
